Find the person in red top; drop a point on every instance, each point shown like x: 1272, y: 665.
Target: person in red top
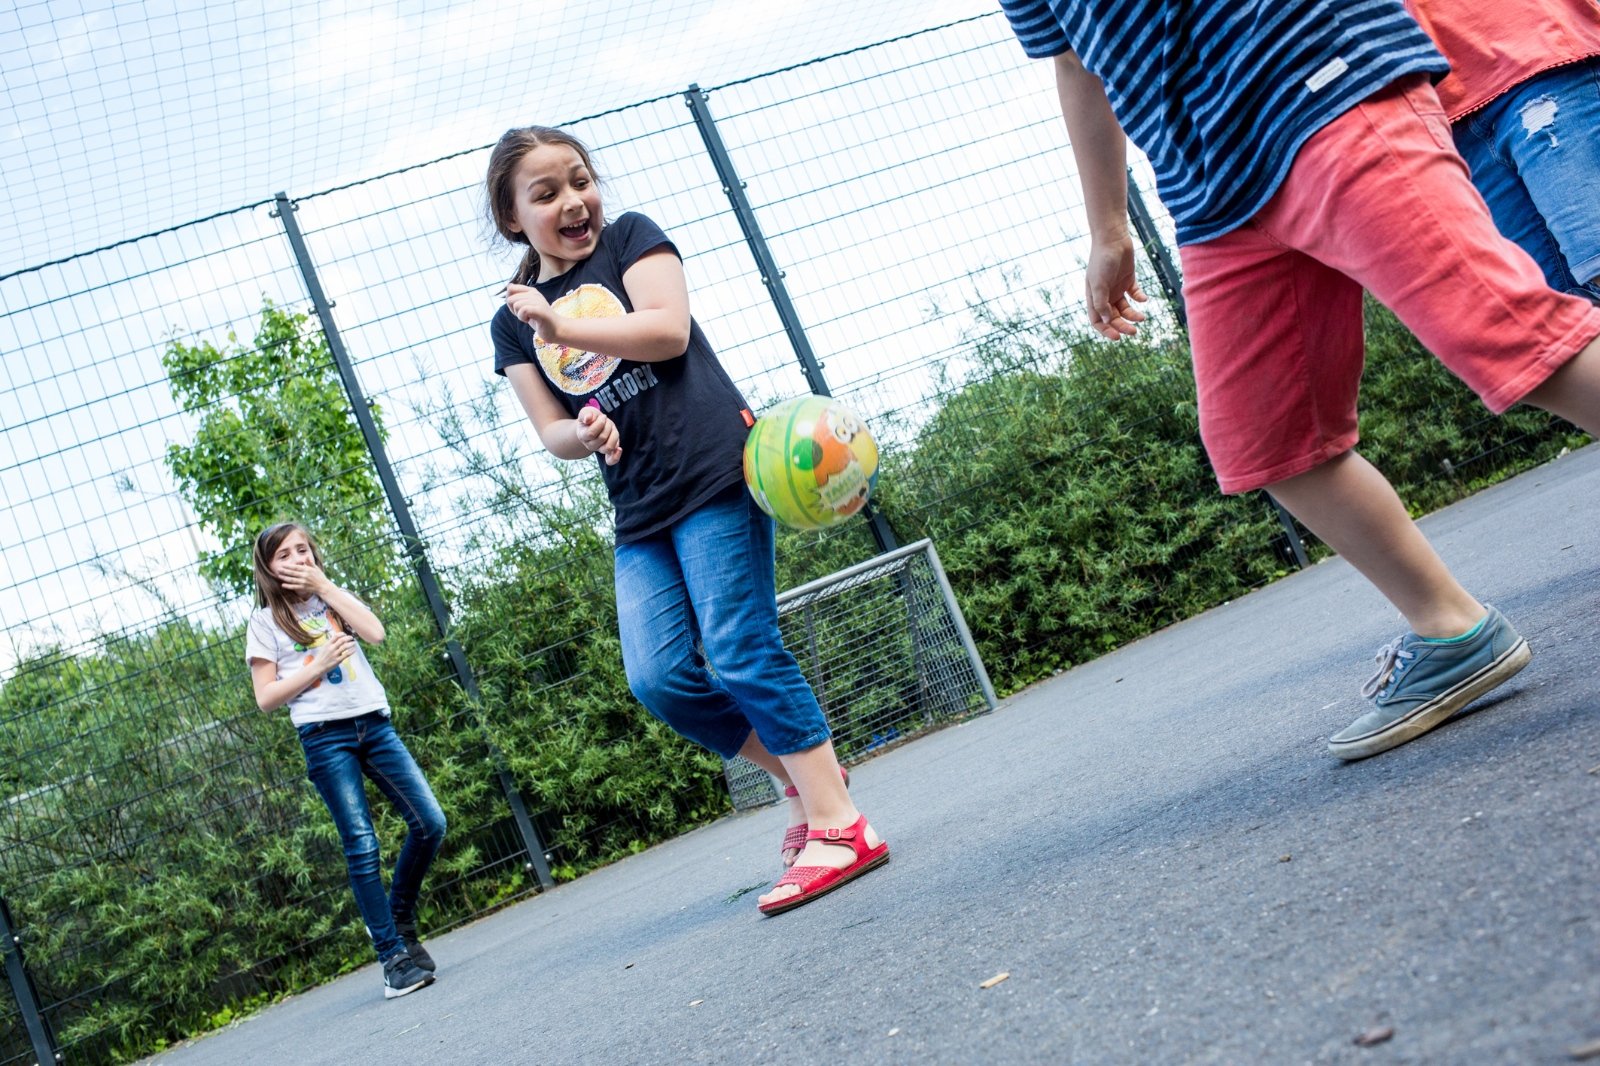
x: 1523, y: 98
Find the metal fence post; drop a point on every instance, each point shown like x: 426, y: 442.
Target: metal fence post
x: 1172, y: 287
x: 772, y: 277
x: 1297, y: 547
x: 43, y: 1040
x: 1144, y: 224
x: 284, y: 210
x: 960, y: 621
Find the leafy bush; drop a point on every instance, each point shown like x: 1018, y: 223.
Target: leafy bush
x: 541, y: 626
x: 275, y: 435
x: 1430, y: 435
x: 170, y: 865
x: 1073, y: 506
x: 1071, y: 501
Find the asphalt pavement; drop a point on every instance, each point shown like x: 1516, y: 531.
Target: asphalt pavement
x: 1155, y: 847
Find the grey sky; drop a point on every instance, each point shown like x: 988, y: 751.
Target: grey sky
x: 124, y: 118
x: 896, y: 185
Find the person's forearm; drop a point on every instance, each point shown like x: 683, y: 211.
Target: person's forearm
x: 275, y: 694
x: 649, y: 335
x: 557, y: 430
x: 560, y: 439
x: 357, y: 615
x: 1099, y: 146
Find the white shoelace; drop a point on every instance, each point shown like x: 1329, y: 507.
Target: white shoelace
x: 1388, y: 656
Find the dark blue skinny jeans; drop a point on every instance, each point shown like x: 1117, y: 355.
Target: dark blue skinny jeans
x: 338, y: 754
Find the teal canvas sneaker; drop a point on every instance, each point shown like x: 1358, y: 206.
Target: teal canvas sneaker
x: 1420, y: 683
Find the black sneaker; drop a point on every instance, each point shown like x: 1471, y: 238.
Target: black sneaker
x: 419, y: 954
x: 401, y: 976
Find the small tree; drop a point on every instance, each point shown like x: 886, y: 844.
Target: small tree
x: 276, y: 440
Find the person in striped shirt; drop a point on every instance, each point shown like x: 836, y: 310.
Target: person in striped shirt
x: 1303, y: 154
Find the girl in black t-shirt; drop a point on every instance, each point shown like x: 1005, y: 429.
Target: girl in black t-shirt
x: 598, y: 344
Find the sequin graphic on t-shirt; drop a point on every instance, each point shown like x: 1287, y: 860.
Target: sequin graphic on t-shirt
x: 574, y: 370
x: 319, y: 628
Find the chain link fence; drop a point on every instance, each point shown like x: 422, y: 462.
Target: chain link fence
x: 911, y: 211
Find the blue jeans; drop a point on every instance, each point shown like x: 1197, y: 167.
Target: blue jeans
x: 709, y: 580
x: 338, y: 753
x: 1534, y: 153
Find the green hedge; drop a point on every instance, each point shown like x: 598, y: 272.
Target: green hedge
x: 172, y: 868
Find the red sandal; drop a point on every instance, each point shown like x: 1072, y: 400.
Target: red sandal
x: 794, y: 838
x: 816, y: 881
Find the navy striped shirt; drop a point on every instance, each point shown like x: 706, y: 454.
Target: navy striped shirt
x: 1221, y: 94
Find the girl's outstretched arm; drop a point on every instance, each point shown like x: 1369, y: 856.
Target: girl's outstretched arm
x: 656, y: 329
x: 307, y: 577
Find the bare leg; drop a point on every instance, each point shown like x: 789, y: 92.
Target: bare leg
x: 1355, y: 511
x: 827, y: 803
x: 1573, y: 392
x: 757, y: 753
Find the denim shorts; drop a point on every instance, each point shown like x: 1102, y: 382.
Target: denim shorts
x: 698, y: 615
x: 1535, y: 156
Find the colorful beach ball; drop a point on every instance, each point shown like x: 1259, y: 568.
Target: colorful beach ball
x: 810, y: 462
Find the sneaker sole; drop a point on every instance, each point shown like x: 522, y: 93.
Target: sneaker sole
x: 396, y: 993
x: 1429, y: 715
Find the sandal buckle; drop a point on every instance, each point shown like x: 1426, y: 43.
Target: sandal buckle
x: 834, y: 834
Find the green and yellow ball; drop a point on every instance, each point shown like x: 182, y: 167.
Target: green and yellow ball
x: 810, y: 462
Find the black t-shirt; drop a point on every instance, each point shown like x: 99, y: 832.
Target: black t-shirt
x: 681, y: 421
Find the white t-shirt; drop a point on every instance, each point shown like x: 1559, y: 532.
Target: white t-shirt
x: 348, y: 690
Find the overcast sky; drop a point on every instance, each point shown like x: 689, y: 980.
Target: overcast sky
x: 124, y: 118
x: 873, y: 175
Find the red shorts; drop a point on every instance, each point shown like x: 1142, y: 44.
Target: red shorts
x: 1378, y: 199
